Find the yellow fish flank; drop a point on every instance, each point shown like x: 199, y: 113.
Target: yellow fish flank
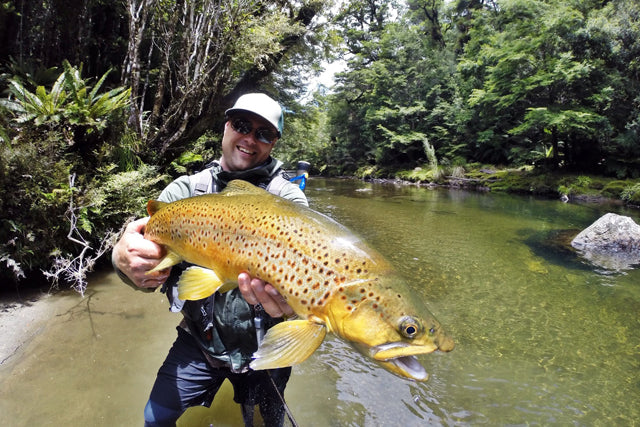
x: 331, y: 279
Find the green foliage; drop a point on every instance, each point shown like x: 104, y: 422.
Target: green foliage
x: 32, y: 211
x: 182, y: 164
x: 431, y: 154
x: 631, y: 194
x: 305, y: 135
x: 436, y: 175
x: 115, y: 195
x: 540, y: 82
x: 70, y: 100
x: 614, y: 189
x: 59, y: 199
x: 40, y: 107
x: 580, y: 185
x: 367, y: 172
x: 87, y: 106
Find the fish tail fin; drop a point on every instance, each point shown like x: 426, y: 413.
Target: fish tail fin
x: 154, y: 206
x: 197, y: 282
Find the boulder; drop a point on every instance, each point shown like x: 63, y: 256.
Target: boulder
x: 612, y: 242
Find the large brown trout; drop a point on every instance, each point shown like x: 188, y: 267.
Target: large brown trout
x: 331, y: 279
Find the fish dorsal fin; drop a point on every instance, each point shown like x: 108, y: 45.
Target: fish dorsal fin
x: 238, y: 186
x: 154, y: 206
x: 288, y: 343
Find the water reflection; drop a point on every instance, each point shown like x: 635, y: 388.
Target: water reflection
x: 541, y: 338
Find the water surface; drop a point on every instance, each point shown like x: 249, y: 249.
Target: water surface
x: 542, y: 338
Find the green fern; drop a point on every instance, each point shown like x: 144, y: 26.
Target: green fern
x: 70, y: 99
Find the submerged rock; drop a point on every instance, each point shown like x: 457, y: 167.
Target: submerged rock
x: 612, y: 242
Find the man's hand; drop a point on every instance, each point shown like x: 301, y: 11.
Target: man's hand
x: 135, y: 256
x: 256, y: 291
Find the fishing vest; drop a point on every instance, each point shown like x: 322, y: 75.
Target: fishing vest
x: 209, y: 180
x: 223, y: 323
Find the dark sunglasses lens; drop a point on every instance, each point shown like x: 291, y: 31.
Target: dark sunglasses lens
x: 266, y: 136
x: 245, y: 127
x: 241, y: 126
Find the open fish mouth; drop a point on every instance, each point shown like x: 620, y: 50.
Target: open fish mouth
x: 400, y: 359
x: 408, y: 367
x: 395, y: 350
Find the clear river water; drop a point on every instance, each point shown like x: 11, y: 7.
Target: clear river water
x: 542, y: 338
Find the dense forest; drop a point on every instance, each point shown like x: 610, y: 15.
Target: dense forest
x: 103, y: 102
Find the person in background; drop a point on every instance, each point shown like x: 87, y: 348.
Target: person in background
x: 218, y: 334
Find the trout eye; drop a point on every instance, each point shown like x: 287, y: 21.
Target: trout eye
x: 409, y: 327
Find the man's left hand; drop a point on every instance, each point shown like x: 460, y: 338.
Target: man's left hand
x: 256, y: 291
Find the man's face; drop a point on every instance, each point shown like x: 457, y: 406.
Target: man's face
x: 242, y: 151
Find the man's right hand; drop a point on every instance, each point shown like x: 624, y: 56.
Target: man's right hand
x: 135, y: 256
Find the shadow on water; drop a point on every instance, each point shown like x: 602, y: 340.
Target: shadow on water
x: 554, y: 246
x: 541, y: 338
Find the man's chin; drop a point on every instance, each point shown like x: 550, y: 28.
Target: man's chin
x: 241, y: 163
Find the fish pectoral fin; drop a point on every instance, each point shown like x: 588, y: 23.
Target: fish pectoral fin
x: 197, y: 282
x: 288, y: 343
x: 169, y: 260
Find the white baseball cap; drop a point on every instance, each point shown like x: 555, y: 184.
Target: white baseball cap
x: 263, y: 106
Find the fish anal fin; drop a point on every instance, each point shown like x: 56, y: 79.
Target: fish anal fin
x: 197, y: 282
x: 288, y: 343
x: 169, y: 260
x: 154, y: 206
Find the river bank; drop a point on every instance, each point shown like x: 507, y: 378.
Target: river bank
x: 567, y: 187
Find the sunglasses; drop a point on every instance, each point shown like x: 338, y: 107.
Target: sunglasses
x: 245, y: 127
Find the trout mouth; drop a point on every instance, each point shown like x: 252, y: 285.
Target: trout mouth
x: 395, y: 350
x: 408, y: 367
x: 400, y: 358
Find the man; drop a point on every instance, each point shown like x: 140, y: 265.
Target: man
x: 218, y: 334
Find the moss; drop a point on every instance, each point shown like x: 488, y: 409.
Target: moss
x: 509, y: 181
x: 532, y: 181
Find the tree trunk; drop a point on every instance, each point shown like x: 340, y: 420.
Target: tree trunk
x: 138, y: 12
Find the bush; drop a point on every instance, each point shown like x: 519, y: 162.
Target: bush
x: 631, y: 194
x: 68, y: 178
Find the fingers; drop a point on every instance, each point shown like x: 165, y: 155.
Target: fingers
x: 256, y: 291
x: 244, y: 283
x: 134, y: 237
x: 152, y: 282
x: 278, y: 302
x: 137, y: 226
x: 135, y: 256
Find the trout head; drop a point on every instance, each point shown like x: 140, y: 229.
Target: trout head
x: 384, y: 326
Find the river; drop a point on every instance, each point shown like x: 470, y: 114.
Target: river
x: 542, y: 338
